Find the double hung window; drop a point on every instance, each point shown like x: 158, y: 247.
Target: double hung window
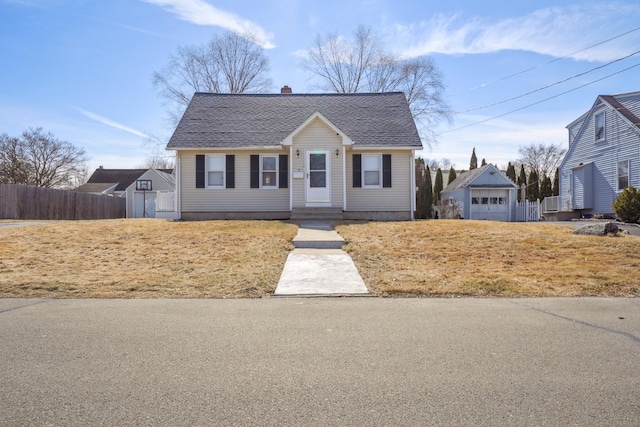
x: 371, y: 170
x: 269, y: 172
x: 215, y: 171
x: 599, y: 127
x: 623, y: 175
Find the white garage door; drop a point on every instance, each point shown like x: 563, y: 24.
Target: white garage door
x: 491, y: 205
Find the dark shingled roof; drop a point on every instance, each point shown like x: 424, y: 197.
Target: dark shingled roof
x: 466, y: 179
x: 247, y: 120
x: 124, y: 177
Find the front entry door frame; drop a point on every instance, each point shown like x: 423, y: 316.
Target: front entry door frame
x: 317, y: 178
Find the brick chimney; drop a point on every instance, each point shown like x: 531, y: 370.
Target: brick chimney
x: 286, y: 89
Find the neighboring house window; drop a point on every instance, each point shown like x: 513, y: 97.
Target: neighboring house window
x: 372, y: 170
x: 215, y: 171
x: 269, y: 172
x: 623, y: 175
x: 599, y: 128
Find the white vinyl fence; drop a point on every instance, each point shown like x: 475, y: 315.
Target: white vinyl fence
x: 551, y: 204
x: 528, y: 211
x: 165, y: 202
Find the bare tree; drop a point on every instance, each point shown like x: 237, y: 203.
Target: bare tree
x: 40, y: 159
x: 345, y: 65
x: 159, y: 162
x: 158, y: 157
x: 13, y: 161
x: 435, y: 164
x: 544, y: 159
x: 361, y: 64
x: 228, y: 63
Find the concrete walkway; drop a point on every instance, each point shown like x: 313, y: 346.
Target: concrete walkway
x: 318, y: 265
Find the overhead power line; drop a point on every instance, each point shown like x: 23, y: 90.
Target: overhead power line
x: 541, y: 101
x: 548, y: 86
x: 546, y: 63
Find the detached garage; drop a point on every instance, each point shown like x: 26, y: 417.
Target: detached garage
x: 151, y: 196
x: 484, y: 193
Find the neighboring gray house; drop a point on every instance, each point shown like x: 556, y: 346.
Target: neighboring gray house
x: 603, y: 156
x: 482, y: 193
x: 280, y: 156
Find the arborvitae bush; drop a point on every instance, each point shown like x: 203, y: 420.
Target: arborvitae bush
x: 438, y: 185
x: 452, y: 175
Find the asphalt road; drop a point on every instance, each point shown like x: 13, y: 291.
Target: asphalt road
x: 324, y: 362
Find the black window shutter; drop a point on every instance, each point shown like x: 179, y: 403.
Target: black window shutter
x: 283, y: 171
x: 357, y: 170
x: 230, y: 171
x: 199, y: 170
x: 255, y: 171
x: 386, y: 170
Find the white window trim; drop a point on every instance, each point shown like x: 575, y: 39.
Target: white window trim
x: 604, y: 126
x: 364, y: 185
x: 224, y: 172
x: 620, y: 190
x: 276, y: 185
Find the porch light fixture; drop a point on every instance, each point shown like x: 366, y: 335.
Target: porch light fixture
x: 337, y: 152
x: 298, y: 152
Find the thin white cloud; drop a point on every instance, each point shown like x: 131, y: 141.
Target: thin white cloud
x: 200, y: 12
x: 111, y: 123
x: 556, y: 31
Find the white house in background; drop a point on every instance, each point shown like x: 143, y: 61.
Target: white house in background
x: 603, y: 157
x: 483, y: 193
x: 158, y: 201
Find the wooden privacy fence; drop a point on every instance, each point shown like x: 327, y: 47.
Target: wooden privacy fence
x: 27, y: 202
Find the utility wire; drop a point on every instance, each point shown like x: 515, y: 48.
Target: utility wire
x: 544, y: 64
x: 548, y: 86
x: 541, y: 101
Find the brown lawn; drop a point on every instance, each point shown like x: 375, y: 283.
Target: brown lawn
x: 479, y: 258
x: 148, y: 258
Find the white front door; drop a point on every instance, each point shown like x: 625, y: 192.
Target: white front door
x: 318, y: 178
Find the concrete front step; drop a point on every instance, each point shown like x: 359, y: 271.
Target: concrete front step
x: 316, y: 213
x: 315, y: 238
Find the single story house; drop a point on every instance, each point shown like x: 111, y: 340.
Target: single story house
x: 482, y: 193
x: 288, y: 156
x: 603, y: 157
x: 122, y: 183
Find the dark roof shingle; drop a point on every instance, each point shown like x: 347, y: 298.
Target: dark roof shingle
x: 256, y: 120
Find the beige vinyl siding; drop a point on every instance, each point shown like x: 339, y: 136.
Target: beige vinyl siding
x: 318, y: 136
x: 396, y: 198
x: 242, y: 198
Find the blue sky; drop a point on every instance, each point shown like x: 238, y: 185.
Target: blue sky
x: 82, y: 69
